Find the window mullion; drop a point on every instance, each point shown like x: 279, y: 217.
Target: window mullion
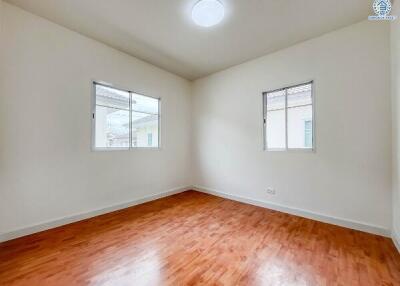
x: 286, y: 120
x: 159, y: 124
x: 265, y: 110
x: 130, y: 120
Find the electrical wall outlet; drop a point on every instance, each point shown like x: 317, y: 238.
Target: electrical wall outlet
x: 271, y: 191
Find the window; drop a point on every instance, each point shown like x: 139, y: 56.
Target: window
x: 124, y: 119
x: 288, y: 118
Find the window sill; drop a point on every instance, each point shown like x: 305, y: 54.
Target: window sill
x: 292, y: 150
x: 126, y: 149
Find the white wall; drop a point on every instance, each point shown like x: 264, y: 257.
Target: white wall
x: 349, y: 176
x: 395, y: 60
x: 47, y: 169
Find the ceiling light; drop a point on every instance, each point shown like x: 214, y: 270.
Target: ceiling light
x: 207, y: 13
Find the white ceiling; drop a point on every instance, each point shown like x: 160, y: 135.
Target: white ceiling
x: 161, y: 32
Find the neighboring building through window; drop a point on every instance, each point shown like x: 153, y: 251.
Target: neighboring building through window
x: 288, y: 118
x: 124, y: 119
x: 308, y: 133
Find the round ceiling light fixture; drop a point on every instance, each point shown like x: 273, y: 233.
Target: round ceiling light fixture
x: 207, y: 13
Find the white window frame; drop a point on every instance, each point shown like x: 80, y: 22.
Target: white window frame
x: 93, y: 117
x: 313, y: 121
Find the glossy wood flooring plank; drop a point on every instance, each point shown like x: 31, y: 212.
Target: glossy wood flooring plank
x: 198, y: 239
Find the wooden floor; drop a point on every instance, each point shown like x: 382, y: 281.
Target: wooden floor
x: 197, y: 239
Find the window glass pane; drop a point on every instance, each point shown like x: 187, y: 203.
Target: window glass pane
x: 112, y: 127
x: 300, y: 95
x: 275, y: 128
x: 112, y: 97
x: 145, y: 104
x: 275, y: 100
x: 144, y: 130
x: 300, y: 127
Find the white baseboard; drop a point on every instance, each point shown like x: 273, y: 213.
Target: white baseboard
x: 300, y: 212
x: 396, y: 238
x: 81, y: 216
x: 291, y: 210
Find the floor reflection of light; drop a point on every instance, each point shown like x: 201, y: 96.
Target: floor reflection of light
x: 281, y: 272
x: 142, y: 269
